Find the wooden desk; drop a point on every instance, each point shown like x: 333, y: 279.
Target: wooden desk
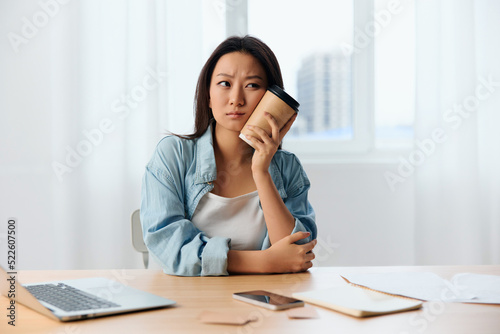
x: 197, y: 294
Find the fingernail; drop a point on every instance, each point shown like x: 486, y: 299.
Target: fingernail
x: 249, y: 126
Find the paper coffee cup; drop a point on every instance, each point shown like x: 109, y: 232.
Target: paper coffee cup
x: 276, y: 102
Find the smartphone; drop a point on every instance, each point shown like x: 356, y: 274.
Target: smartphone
x: 268, y: 299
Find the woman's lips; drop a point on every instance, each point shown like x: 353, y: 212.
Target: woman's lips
x: 235, y: 114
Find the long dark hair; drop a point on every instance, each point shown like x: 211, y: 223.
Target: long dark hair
x: 247, y: 44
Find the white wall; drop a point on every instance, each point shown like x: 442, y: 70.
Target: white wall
x: 361, y: 222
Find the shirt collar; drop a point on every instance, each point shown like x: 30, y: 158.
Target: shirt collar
x: 206, y: 169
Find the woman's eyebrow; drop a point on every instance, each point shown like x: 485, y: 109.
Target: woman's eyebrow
x: 248, y: 77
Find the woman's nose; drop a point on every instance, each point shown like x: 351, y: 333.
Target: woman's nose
x: 237, y: 97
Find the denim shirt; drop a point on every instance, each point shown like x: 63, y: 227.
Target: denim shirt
x: 180, y: 172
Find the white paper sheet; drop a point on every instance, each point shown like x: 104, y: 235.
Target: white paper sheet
x: 466, y: 288
x: 486, y: 288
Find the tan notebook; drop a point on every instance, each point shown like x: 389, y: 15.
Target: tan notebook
x: 358, y: 301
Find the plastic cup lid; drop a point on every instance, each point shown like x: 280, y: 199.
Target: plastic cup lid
x: 279, y: 92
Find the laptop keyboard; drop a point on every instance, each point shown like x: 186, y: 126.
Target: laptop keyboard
x: 68, y: 298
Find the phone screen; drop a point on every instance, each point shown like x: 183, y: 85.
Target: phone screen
x: 270, y: 299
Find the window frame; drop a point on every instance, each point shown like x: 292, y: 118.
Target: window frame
x: 362, y: 146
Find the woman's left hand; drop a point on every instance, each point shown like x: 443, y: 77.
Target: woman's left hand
x: 265, y: 145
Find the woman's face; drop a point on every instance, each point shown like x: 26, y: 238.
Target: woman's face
x: 238, y: 83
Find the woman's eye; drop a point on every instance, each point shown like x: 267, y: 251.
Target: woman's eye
x: 253, y: 85
x: 224, y: 83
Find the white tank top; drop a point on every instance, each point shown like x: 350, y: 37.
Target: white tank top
x: 239, y: 218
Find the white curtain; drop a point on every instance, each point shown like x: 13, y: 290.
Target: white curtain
x: 87, y: 90
x: 457, y: 164
x: 108, y: 78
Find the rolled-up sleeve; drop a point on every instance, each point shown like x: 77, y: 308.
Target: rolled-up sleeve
x: 297, y: 201
x: 304, y: 215
x: 179, y: 247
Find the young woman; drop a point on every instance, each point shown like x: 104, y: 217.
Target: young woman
x: 212, y: 204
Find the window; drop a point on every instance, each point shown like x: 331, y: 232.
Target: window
x: 395, y: 76
x: 315, y: 69
x: 348, y: 63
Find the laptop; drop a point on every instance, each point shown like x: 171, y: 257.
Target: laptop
x: 77, y: 299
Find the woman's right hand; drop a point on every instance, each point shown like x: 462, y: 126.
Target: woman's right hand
x: 286, y: 256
